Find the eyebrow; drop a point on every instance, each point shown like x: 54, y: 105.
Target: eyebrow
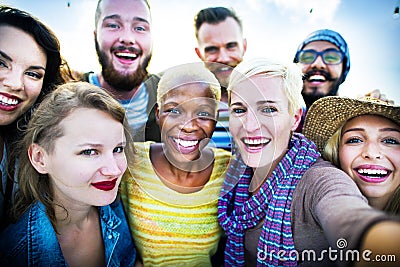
x: 99, y: 145
x: 115, y: 16
x: 261, y: 102
x: 5, y: 56
x: 388, y: 129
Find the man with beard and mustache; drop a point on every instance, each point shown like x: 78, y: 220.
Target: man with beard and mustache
x: 123, y: 41
x: 325, y: 62
x: 221, y: 46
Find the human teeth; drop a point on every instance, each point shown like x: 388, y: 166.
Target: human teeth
x: 122, y: 54
x: 257, y: 141
x: 8, y: 101
x: 317, y: 77
x: 372, y: 172
x: 186, y: 143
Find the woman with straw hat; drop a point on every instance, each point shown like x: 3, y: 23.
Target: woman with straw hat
x: 362, y: 137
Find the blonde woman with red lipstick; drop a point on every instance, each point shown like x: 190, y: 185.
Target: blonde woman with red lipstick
x: 171, y: 190
x: 76, y: 146
x: 362, y: 137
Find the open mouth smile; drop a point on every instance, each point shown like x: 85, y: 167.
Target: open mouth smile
x: 126, y: 55
x: 186, y: 146
x: 373, y: 175
x: 255, y: 144
x: 316, y: 78
x: 9, y: 103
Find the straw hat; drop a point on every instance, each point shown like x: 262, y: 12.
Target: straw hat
x: 329, y: 113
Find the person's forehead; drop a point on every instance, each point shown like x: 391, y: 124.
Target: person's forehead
x: 320, y: 45
x: 224, y: 30
x: 126, y: 9
x: 259, y: 88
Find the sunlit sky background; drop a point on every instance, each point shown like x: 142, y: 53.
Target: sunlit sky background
x: 273, y: 28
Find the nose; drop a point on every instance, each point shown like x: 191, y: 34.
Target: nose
x: 371, y: 151
x: 318, y: 63
x: 189, y: 123
x: 251, y: 122
x: 223, y: 56
x: 127, y: 37
x: 111, y: 166
x: 14, y: 80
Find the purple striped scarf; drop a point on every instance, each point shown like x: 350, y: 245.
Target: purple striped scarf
x: 237, y: 211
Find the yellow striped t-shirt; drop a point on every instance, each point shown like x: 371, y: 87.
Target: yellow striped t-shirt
x: 171, y: 228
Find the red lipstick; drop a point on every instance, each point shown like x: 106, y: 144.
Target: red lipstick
x: 105, y: 185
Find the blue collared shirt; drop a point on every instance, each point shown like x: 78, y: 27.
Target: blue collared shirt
x: 32, y: 241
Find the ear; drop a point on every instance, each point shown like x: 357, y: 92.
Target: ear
x: 297, y: 119
x: 37, y: 157
x: 198, y: 53
x: 157, y: 115
x: 244, y: 45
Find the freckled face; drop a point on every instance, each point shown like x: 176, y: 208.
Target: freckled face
x: 369, y: 152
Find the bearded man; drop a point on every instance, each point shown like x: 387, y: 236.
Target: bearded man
x: 124, y: 44
x: 325, y: 62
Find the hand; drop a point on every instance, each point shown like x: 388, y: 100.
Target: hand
x: 377, y: 94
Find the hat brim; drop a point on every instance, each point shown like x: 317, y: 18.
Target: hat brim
x: 329, y: 113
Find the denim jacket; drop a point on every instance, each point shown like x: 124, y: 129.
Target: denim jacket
x: 32, y: 241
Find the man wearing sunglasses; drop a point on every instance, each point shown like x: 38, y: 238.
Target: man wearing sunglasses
x: 325, y: 62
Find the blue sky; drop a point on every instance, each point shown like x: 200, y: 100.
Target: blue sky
x: 273, y: 28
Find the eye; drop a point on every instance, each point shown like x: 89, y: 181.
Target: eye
x: 172, y: 110
x: 88, y: 152
x: 269, y: 109
x: 211, y: 50
x: 232, y: 45
x: 118, y: 149
x: 112, y: 26
x: 353, y: 140
x: 238, y: 110
x: 140, y: 29
x: 204, y: 113
x: 391, y: 141
x: 3, y: 64
x: 34, y: 74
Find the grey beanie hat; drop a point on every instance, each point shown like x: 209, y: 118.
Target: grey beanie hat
x: 334, y: 38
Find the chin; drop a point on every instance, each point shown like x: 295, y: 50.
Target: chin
x: 252, y: 160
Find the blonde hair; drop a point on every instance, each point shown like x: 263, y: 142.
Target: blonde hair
x: 331, y: 149
x: 44, y: 129
x: 290, y: 73
x: 187, y: 74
